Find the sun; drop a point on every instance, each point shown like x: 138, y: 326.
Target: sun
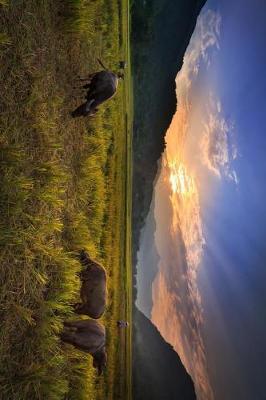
x: 181, y: 182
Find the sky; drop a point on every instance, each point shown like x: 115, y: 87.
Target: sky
x: 207, y: 254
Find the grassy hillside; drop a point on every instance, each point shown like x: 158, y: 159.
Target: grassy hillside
x: 63, y: 187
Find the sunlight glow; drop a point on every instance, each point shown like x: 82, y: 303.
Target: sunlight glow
x: 197, y: 147
x: 181, y: 182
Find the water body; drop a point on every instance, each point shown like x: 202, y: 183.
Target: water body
x: 201, y: 263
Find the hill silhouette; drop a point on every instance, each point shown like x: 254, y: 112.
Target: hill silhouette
x: 158, y: 371
x: 161, y: 31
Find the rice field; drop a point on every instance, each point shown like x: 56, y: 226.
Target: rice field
x: 65, y: 185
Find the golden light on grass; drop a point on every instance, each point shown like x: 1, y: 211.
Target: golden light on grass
x: 62, y: 189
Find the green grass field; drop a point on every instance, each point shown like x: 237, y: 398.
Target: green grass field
x: 65, y: 185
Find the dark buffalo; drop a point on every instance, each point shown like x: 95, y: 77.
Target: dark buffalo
x: 89, y: 336
x: 101, y: 87
x: 93, y: 290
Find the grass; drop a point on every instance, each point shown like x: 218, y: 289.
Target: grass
x: 62, y: 189
x: 4, y: 39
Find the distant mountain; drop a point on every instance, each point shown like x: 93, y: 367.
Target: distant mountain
x: 158, y: 372
x: 148, y: 261
x: 161, y: 31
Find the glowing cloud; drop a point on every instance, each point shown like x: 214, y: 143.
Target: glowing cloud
x: 177, y: 306
x: 206, y: 36
x: 181, y: 182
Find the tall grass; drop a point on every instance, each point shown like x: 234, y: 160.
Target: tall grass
x: 4, y: 39
x: 80, y: 16
x: 61, y: 189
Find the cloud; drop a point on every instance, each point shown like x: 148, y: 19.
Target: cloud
x: 199, y: 139
x: 206, y: 36
x: 217, y: 147
x: 177, y: 306
x: 179, y: 324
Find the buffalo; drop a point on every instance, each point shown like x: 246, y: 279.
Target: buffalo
x: 93, y: 290
x: 88, y: 336
x: 101, y: 86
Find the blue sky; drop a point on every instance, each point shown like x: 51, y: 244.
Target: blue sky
x: 233, y: 280
x: 208, y: 296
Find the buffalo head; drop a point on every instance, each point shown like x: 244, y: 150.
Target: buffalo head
x: 86, y: 109
x: 100, y: 360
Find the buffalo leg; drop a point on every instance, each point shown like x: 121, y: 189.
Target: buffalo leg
x: 79, y: 309
x: 82, y: 323
x: 70, y: 324
x: 86, y: 78
x: 68, y: 337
